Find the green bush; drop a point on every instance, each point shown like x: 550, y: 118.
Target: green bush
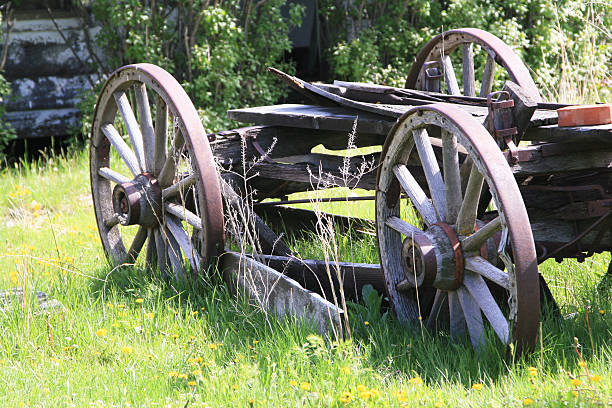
x: 566, y: 43
x: 218, y: 52
x: 7, y: 133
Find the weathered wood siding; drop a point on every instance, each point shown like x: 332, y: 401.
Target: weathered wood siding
x: 47, y: 80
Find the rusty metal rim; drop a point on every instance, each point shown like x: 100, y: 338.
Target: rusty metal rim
x: 504, y: 56
x: 492, y: 164
x: 179, y: 104
x: 457, y: 252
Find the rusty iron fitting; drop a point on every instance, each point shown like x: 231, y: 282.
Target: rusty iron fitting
x: 420, y: 260
x: 432, y: 74
x: 500, y: 121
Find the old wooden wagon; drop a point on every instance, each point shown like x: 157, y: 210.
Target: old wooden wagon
x: 496, y: 185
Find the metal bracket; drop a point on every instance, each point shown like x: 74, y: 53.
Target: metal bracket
x: 500, y: 121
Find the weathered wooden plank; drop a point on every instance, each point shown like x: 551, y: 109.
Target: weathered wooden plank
x: 313, y: 275
x: 601, y: 134
x: 278, y: 293
x: 561, y: 157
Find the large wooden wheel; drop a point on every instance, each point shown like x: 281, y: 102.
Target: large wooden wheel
x: 153, y: 177
x: 454, y: 261
x: 434, y: 61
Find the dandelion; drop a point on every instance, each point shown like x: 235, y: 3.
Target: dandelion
x: 416, y: 381
x: 235, y: 387
x: 582, y: 364
x: 362, y: 388
x: 213, y: 346
x: 346, y: 397
x: 255, y: 341
x: 198, y: 360
x: 575, y: 394
x: 191, y: 383
x: 478, y: 386
x: 438, y: 405
x: 595, y: 378
x: 110, y: 305
x: 345, y: 370
x: 149, y: 315
x: 293, y: 383
x: 173, y: 374
x: 174, y: 336
x: 532, y: 371
x: 528, y: 401
x: 182, y: 376
x: 602, y: 312
x: 401, y: 396
x: 576, y: 382
x: 127, y: 350
x: 194, y: 313
x: 305, y: 386
x: 197, y: 373
x: 101, y: 332
x: 366, y: 323
x: 139, y: 300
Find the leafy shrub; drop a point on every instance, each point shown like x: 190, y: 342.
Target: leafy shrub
x: 7, y: 133
x: 566, y: 43
x: 218, y: 51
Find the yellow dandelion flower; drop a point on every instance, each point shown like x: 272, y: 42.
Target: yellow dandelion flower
x: 366, y: 323
x: 255, y: 341
x: 401, y: 396
x: 305, y: 386
x: 213, y: 346
x: 528, y: 401
x: 174, y: 336
x: 198, y: 360
x: 182, y: 376
x: 139, y: 300
x: 345, y: 370
x: 438, y: 405
x: 235, y: 387
x: 602, y: 312
x: 416, y: 381
x: 346, y: 397
x: 101, y: 332
x: 173, y: 374
x: 191, y: 338
x: 532, y: 371
x: 46, y: 390
x: 194, y: 313
x: 120, y: 305
x: 595, y: 378
x: 478, y: 386
x: 576, y: 382
x: 115, y: 324
x: 582, y: 364
x: 362, y: 388
x: 149, y: 315
x: 191, y: 383
x: 293, y: 383
x: 575, y: 394
x: 197, y: 373
x: 127, y: 350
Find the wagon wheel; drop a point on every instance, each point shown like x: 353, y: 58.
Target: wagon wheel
x: 454, y: 254
x: 158, y: 184
x: 434, y: 60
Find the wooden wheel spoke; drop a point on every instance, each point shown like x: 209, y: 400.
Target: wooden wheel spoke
x: 450, y: 78
x: 137, y: 243
x: 179, y: 188
x: 112, y: 221
x: 184, y: 214
x: 457, y: 319
x: 133, y: 129
x: 184, y: 242
x: 484, y: 268
x: 473, y: 317
x: 146, y: 126
x: 161, y: 134
x: 122, y: 148
x: 488, y: 77
x: 166, y: 175
x: 480, y: 292
x: 174, y: 255
x: 436, y: 308
x: 162, y: 252
x: 452, y: 176
x: 475, y: 241
x: 466, y: 219
x: 416, y: 194
x: 469, y: 82
x: 112, y: 175
x: 151, y: 249
x: 432, y: 171
x: 402, y: 226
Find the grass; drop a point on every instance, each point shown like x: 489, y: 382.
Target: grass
x: 201, y: 346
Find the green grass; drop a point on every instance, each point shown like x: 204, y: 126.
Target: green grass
x: 201, y: 346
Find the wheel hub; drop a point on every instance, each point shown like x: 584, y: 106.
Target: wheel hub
x: 420, y: 267
x: 449, y: 274
x: 138, y: 201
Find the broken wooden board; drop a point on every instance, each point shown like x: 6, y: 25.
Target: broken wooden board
x: 279, y: 294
